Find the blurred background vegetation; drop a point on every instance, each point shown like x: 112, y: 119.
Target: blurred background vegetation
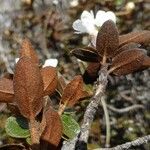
x: 48, y: 24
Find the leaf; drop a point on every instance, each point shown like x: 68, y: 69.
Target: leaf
x: 70, y: 127
x: 28, y: 87
x: 146, y: 62
x: 17, y: 127
x: 28, y: 140
x: 6, y: 90
x: 86, y: 54
x: 127, y: 46
x: 128, y: 61
x: 50, y: 79
x: 107, y: 39
x: 28, y: 51
x: 136, y: 37
x: 91, y: 73
x: 73, y: 91
x: 61, y: 84
x: 53, y: 130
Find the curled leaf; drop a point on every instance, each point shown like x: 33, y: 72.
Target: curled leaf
x: 6, y: 90
x: 50, y: 79
x: 28, y: 87
x: 53, y: 130
x: 91, y: 73
x: 28, y: 51
x: 136, y: 37
x: 86, y: 54
x: 128, y: 61
x: 73, y: 91
x: 107, y: 39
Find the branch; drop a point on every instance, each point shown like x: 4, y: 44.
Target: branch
x: 80, y: 142
x: 137, y: 142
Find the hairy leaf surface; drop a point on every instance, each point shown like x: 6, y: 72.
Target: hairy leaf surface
x: 107, y: 39
x: 128, y: 61
x: 28, y: 87
x: 27, y: 50
x: 73, y: 91
x: 53, y: 130
x: 141, y: 37
x: 50, y: 79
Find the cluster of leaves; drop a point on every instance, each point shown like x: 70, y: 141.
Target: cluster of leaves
x: 122, y: 54
x: 26, y: 93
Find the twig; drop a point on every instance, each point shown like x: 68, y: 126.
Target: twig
x: 80, y: 142
x: 107, y: 122
x: 124, y: 110
x: 124, y: 94
x: 137, y: 142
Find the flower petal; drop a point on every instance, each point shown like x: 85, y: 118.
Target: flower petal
x: 78, y: 26
x: 50, y: 62
x: 103, y: 16
x: 87, y: 19
x: 90, y: 27
x: 110, y: 15
x: 100, y: 15
x: 87, y: 15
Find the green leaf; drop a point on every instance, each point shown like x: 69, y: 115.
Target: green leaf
x: 17, y: 127
x: 70, y: 127
x: 28, y: 140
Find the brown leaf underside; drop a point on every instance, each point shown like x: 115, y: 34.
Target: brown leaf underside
x: 141, y: 37
x: 28, y: 51
x: 61, y: 84
x: 73, y: 91
x: 107, y: 39
x: 126, y: 47
x: 28, y: 87
x: 53, y: 131
x: 50, y: 79
x: 128, y: 61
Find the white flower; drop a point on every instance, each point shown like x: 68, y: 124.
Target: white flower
x: 50, y: 62
x: 88, y: 24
